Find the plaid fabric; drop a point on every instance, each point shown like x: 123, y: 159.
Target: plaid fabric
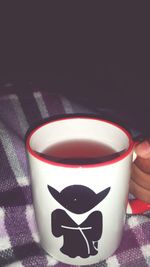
x: 19, y: 239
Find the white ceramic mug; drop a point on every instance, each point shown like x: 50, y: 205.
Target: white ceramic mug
x: 80, y: 208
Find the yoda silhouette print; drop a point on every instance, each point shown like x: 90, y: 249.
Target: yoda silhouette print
x: 78, y: 240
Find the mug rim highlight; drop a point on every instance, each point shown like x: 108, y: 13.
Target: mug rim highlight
x: 80, y: 116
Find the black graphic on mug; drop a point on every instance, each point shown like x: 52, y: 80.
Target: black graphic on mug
x: 78, y: 240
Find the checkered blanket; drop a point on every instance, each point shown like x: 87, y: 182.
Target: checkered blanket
x: 19, y: 239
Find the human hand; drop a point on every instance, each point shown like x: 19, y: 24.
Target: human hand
x: 140, y: 175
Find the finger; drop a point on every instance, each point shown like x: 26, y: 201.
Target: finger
x: 140, y: 177
x: 139, y: 192
x: 143, y: 149
x: 143, y: 164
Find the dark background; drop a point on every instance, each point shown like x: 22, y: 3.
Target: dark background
x: 94, y: 53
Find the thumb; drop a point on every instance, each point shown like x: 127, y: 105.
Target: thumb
x: 143, y: 149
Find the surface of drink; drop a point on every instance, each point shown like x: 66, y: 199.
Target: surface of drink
x: 79, y: 152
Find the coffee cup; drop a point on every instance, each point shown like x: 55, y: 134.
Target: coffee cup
x: 80, y: 194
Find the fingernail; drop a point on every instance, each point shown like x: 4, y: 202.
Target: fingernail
x: 144, y: 147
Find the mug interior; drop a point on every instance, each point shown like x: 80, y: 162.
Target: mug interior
x: 78, y: 128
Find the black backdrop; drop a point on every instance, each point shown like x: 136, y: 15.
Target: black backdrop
x: 94, y: 53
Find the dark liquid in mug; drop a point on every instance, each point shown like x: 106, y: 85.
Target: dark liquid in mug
x: 79, y: 152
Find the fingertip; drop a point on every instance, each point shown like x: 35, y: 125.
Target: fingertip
x: 143, y: 149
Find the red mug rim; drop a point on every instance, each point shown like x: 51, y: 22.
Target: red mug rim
x: 90, y: 165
